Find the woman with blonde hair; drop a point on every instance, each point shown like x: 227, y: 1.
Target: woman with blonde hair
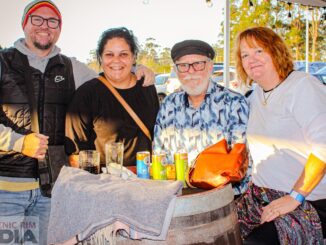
x: 286, y: 201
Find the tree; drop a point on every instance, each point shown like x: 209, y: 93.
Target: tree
x: 148, y: 54
x: 243, y: 16
x: 218, y: 48
x: 165, y: 61
x: 314, y: 31
x: 92, y: 61
x: 154, y: 57
x: 293, y: 27
x: 287, y: 20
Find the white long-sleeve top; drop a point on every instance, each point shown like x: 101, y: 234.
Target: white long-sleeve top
x: 282, y: 134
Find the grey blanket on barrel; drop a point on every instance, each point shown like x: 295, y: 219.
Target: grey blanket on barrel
x: 83, y: 203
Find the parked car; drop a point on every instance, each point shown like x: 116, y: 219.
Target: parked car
x: 234, y: 83
x: 166, y: 83
x: 173, y: 84
x: 317, y: 69
x: 217, y: 76
x: 321, y: 75
x: 217, y: 67
x: 313, y: 67
x: 160, y: 85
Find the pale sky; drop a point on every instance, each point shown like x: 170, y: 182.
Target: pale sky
x: 168, y: 21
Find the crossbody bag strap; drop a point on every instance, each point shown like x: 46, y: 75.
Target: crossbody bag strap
x: 126, y: 106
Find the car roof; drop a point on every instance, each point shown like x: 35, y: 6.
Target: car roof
x: 321, y: 71
x: 163, y: 75
x: 231, y: 69
x: 313, y: 67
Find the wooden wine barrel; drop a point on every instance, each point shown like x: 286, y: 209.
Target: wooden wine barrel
x: 206, y: 217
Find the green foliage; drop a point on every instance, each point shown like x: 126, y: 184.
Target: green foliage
x: 218, y: 53
x: 152, y: 56
x: 270, y: 13
x: 275, y: 14
x: 92, y: 61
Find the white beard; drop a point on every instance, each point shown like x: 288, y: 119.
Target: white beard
x: 198, y: 89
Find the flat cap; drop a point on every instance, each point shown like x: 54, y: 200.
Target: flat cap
x: 191, y: 47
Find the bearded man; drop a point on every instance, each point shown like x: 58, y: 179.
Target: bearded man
x: 204, y: 112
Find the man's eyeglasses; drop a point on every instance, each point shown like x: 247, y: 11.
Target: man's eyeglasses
x: 52, y: 23
x: 197, y: 66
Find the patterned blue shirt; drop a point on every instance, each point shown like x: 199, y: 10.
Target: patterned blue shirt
x: 222, y: 114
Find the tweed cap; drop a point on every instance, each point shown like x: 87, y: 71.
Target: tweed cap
x: 192, y: 47
x: 36, y: 4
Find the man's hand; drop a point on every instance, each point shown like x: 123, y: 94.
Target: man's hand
x: 35, y: 145
x: 278, y: 208
x: 143, y: 71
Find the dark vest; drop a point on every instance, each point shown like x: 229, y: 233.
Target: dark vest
x: 53, y: 90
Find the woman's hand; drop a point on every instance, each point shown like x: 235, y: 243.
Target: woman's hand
x: 278, y: 208
x: 143, y: 71
x: 73, y: 161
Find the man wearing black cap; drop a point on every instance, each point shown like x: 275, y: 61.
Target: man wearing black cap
x: 204, y: 112
x: 35, y: 68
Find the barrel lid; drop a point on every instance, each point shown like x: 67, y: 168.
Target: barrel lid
x: 204, y: 201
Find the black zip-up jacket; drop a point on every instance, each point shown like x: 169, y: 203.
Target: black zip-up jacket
x: 53, y: 90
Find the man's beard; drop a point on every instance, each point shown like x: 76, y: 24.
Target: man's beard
x: 198, y: 89
x: 42, y: 47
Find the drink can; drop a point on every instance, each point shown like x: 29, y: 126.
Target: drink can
x: 143, y: 162
x: 170, y: 171
x: 159, y: 166
x: 181, y: 164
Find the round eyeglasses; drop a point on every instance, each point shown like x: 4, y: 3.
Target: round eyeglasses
x: 37, y: 20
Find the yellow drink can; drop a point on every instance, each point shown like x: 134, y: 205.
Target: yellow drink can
x: 159, y: 166
x: 170, y: 171
x: 181, y: 165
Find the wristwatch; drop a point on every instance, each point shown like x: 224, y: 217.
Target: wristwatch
x: 297, y: 196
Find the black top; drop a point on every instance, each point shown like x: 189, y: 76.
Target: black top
x: 51, y: 99
x: 95, y: 117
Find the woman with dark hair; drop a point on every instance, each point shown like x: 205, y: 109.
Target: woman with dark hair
x: 95, y: 117
x: 286, y: 133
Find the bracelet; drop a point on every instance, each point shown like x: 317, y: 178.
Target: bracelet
x: 297, y: 196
